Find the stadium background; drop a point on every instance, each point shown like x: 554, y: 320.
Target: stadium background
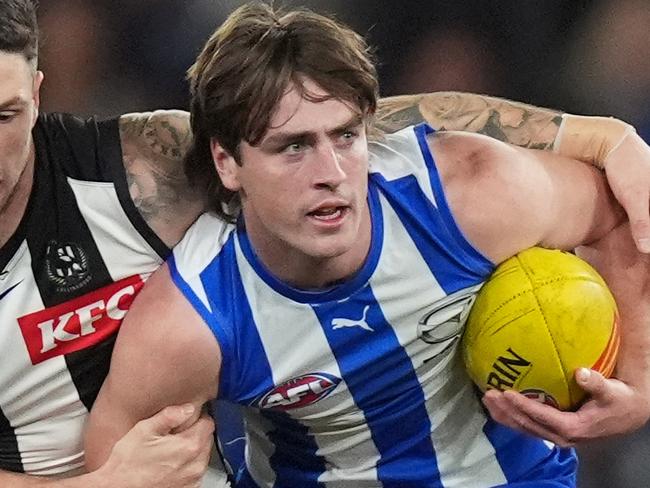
x: 108, y: 57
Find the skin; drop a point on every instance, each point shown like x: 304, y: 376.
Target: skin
x: 153, y: 145
x: 304, y: 190
x: 489, y: 186
x: 19, y: 100
x: 513, y: 122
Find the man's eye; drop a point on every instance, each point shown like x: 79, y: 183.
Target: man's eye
x: 7, y: 116
x: 294, y: 147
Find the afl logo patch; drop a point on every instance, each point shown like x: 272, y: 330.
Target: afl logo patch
x: 299, y: 392
x: 66, y: 265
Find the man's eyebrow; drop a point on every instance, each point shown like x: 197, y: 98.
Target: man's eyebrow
x: 280, y: 138
x: 284, y: 137
x: 13, y: 101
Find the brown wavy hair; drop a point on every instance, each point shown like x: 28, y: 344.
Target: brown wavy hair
x: 244, y: 70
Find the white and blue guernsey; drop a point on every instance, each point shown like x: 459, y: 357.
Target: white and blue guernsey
x: 362, y: 385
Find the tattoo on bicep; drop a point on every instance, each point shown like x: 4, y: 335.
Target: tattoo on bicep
x: 392, y: 119
x: 167, y: 139
x: 156, y: 196
x: 153, y: 147
x: 513, y: 122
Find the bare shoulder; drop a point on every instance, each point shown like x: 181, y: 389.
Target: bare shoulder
x: 164, y: 348
x: 153, y: 147
x: 493, y: 190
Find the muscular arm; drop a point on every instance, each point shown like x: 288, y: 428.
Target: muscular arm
x: 513, y: 122
x: 176, y: 362
x: 153, y: 147
x: 506, y: 199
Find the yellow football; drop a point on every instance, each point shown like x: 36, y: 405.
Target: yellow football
x: 541, y: 315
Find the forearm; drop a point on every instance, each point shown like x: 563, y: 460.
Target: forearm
x: 509, y: 121
x: 633, y: 364
x: 16, y: 480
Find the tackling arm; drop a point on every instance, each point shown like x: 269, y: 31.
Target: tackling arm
x: 606, y: 143
x: 508, y: 121
x: 154, y: 144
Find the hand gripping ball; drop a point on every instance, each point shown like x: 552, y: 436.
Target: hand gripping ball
x: 541, y: 315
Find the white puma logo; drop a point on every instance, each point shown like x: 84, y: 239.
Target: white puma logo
x: 340, y: 323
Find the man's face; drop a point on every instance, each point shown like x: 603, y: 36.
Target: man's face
x: 19, y: 86
x: 304, y: 186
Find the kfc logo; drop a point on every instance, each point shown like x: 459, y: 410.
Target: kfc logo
x: 79, y: 323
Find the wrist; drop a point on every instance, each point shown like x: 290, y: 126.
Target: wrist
x: 591, y: 139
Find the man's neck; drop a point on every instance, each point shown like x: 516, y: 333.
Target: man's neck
x: 304, y: 272
x: 13, y: 211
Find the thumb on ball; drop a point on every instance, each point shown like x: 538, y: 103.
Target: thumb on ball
x: 589, y: 380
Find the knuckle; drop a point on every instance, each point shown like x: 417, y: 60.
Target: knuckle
x: 193, y: 449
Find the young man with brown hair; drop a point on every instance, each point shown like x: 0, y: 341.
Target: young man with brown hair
x: 299, y: 295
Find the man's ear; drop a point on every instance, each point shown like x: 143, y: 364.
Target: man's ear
x: 226, y: 166
x: 36, y: 88
x: 36, y: 92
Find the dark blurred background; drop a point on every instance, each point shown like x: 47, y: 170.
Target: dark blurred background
x: 108, y: 57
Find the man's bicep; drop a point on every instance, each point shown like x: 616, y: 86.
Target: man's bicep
x: 164, y: 355
x: 506, y: 199
x: 154, y: 145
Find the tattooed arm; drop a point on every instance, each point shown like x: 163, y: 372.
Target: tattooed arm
x: 513, y: 122
x: 606, y: 143
x: 153, y: 147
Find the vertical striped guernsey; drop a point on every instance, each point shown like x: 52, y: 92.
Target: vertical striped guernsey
x: 67, y: 276
x: 361, y: 385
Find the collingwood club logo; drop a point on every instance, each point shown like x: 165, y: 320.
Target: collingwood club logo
x: 67, y: 266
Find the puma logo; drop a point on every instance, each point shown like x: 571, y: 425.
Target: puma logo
x: 339, y: 323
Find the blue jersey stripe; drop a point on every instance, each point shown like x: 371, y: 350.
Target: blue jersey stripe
x: 401, y: 434
x: 453, y: 260
x: 524, y: 458
x: 221, y: 333
x: 430, y: 233
x: 289, y: 437
x: 249, y: 371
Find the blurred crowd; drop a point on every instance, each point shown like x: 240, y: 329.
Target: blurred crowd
x: 108, y: 57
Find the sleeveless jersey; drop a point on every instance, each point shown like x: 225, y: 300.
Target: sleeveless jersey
x: 67, y: 276
x: 362, y: 385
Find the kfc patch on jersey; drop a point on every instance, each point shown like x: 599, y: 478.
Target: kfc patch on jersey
x: 299, y: 392
x: 79, y: 323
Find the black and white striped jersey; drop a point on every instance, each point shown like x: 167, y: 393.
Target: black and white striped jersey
x: 67, y: 276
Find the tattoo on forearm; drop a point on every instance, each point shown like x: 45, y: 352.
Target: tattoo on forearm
x: 513, y: 122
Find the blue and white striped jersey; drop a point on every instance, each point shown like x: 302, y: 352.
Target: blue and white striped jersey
x: 362, y: 385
